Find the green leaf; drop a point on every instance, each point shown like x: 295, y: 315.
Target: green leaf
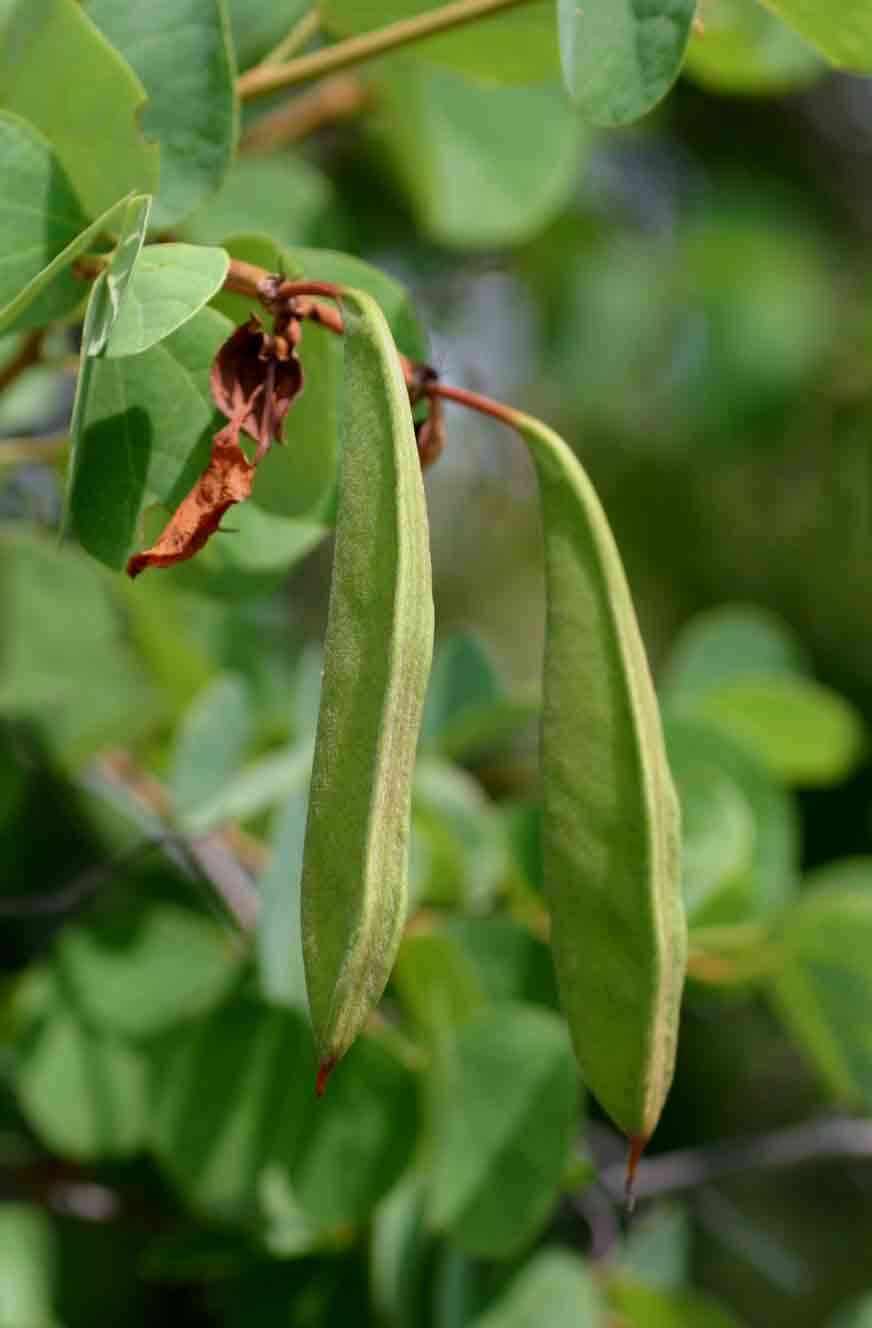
x: 110, y: 289
x: 463, y: 679
x: 235, y: 1117
x: 169, y: 284
x: 726, y: 644
x: 516, y: 47
x: 256, y: 28
x: 856, y: 1315
x: 144, y: 963
x: 826, y: 980
x: 510, y: 963
x: 641, y: 1306
x: 610, y: 844
x: 279, y: 938
x: 284, y: 196
x: 555, y: 1288
x: 771, y: 876
x: 180, y: 49
x: 144, y: 435
x: 620, y: 57
x: 63, y: 640
x: 84, y: 1093
x: 487, y: 184
x: 255, y: 788
x: 210, y: 744
x: 802, y: 731
x: 717, y: 831
x: 398, y: 1254
x: 377, y: 660
x: 42, y: 228
x: 436, y: 982
x: 459, y: 804
x: 92, y: 122
x: 508, y: 1100
x: 28, y: 1267
x: 743, y: 48
x: 843, y: 33
x: 657, y: 1248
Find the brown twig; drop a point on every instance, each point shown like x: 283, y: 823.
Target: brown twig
x: 338, y: 98
x: 29, y: 354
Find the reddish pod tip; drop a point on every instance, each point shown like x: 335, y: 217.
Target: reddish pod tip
x: 637, y: 1147
x: 325, y: 1069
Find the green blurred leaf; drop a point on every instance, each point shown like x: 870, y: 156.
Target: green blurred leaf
x: 84, y: 1093
x: 398, y: 1253
x: 236, y: 1118
x: 620, y: 58
x: 657, y: 1248
x: 92, y: 122
x: 279, y: 939
x: 464, y: 812
x: 772, y: 874
x: 256, y: 28
x: 255, y: 788
x: 487, y: 182
x: 462, y: 678
x: 844, y: 34
x: 517, y: 47
x: 554, y: 1288
x: 802, y: 731
x: 210, y: 744
x: 180, y: 49
x: 727, y: 643
x: 63, y: 641
x: 28, y: 1267
x: 169, y: 284
x: 283, y: 195
x: 856, y: 1315
x: 39, y: 241
x: 641, y: 1306
x: 508, y: 1098
x: 141, y: 964
x: 145, y: 435
x: 743, y: 48
x: 510, y: 963
x: 435, y: 982
x: 825, y: 983
x: 717, y: 831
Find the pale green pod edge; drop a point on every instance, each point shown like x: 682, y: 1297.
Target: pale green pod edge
x: 378, y: 651
x: 611, y: 830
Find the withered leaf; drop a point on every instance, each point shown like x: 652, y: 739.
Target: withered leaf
x: 226, y: 480
x: 255, y: 377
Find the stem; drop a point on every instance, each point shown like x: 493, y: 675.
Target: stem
x: 299, y: 34
x: 334, y: 99
x: 263, y: 79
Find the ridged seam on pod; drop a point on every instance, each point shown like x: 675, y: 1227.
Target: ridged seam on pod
x: 378, y: 651
x: 611, y: 832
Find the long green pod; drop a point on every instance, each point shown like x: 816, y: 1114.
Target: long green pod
x: 377, y: 661
x: 610, y: 813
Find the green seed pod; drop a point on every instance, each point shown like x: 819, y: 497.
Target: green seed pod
x: 377, y: 661
x: 610, y: 814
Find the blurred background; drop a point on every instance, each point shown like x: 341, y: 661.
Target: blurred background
x: 689, y: 302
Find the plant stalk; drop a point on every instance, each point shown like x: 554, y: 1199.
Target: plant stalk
x: 266, y: 78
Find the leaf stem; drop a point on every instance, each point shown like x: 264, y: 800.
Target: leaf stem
x: 29, y: 354
x: 338, y: 98
x: 300, y: 33
x: 266, y: 78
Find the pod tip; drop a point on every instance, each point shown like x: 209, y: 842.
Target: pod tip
x: 637, y: 1144
x: 325, y: 1069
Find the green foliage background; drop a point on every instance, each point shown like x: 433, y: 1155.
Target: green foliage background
x: 688, y: 300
